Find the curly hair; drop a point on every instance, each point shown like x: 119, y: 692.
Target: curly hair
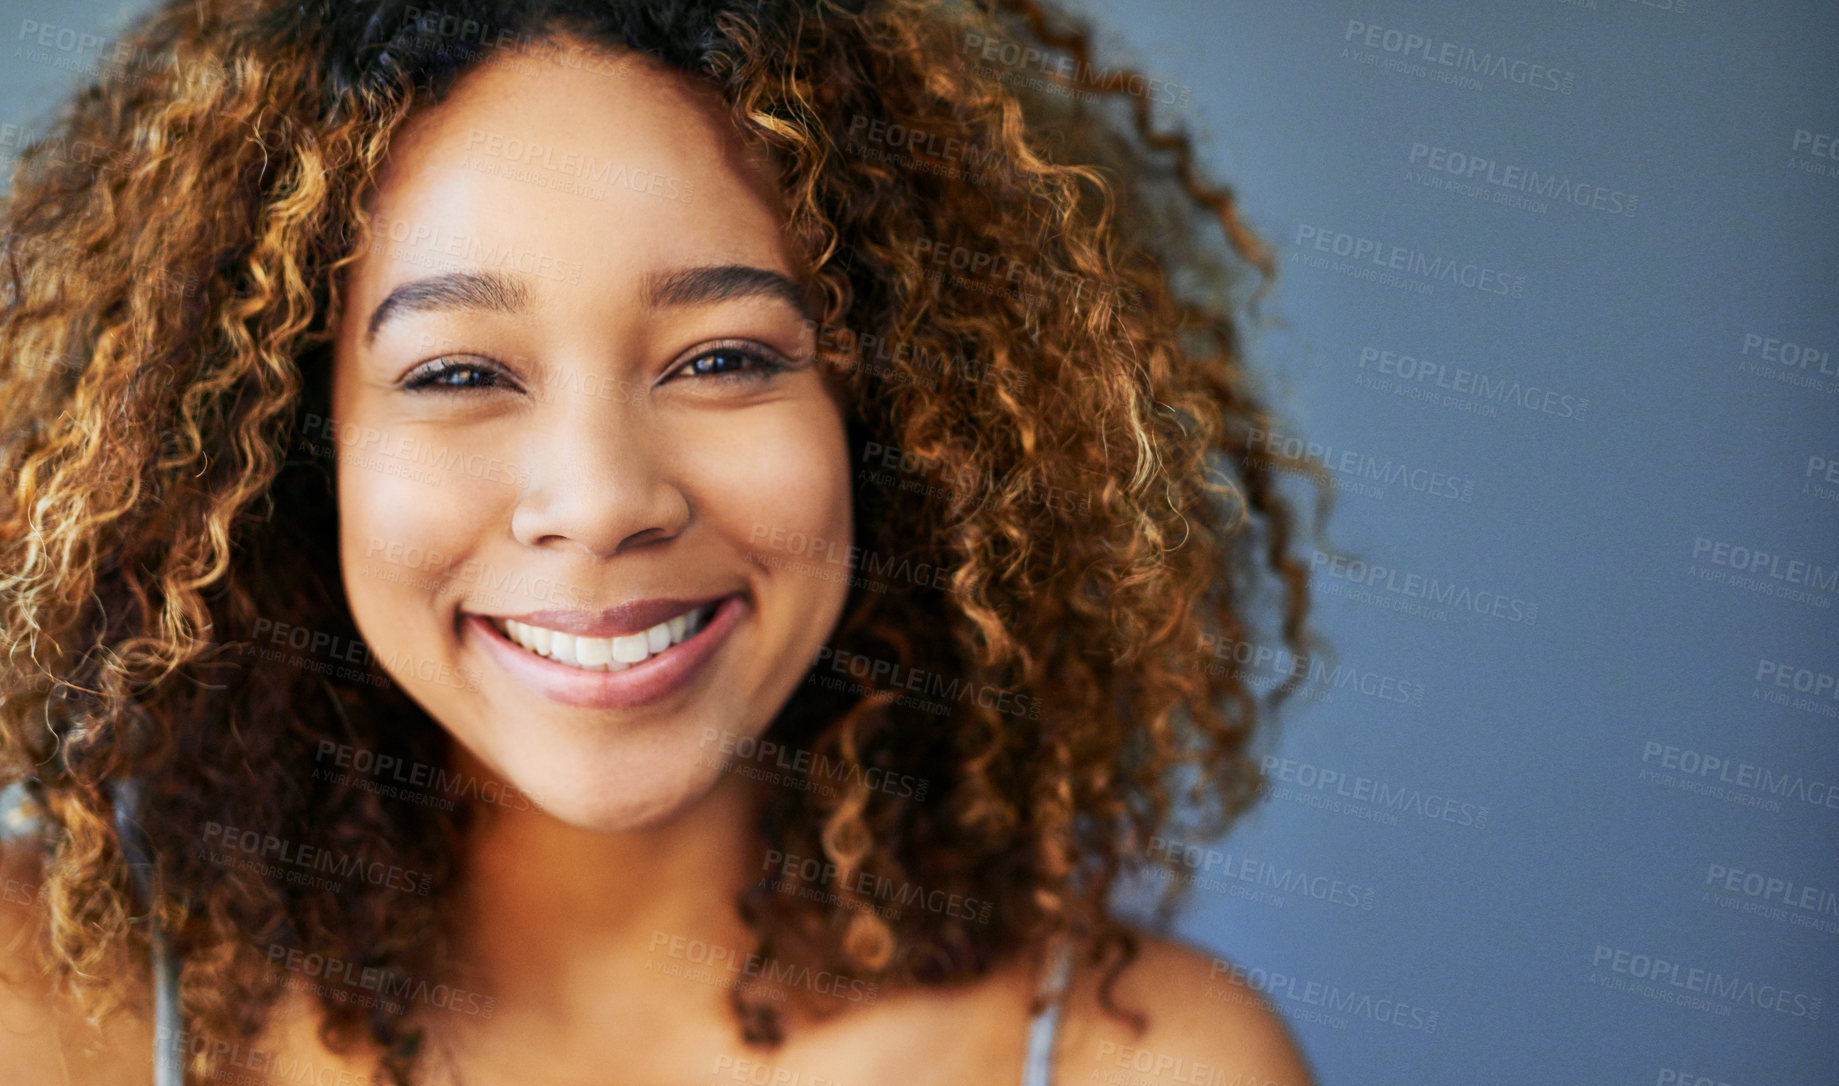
x: 173, y: 250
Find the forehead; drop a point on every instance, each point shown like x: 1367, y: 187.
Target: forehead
x: 569, y: 165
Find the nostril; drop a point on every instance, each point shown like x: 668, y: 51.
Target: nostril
x: 639, y: 539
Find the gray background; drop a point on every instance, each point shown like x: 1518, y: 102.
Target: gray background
x: 1497, y: 926
x: 1508, y: 853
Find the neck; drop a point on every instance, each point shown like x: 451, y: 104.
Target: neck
x: 554, y: 914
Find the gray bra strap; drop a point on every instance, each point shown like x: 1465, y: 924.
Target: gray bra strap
x: 168, y: 1045
x: 1038, y: 1069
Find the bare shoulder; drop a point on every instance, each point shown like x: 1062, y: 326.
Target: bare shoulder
x: 1201, y: 1025
x: 43, y: 1036
x: 22, y: 923
x: 28, y: 1034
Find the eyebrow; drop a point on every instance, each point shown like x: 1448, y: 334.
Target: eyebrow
x: 720, y: 283
x: 485, y: 290
x: 498, y: 293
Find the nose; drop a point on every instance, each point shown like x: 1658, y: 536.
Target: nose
x: 598, y: 479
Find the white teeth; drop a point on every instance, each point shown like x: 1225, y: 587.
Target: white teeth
x: 593, y: 651
x: 606, y: 653
x: 630, y: 649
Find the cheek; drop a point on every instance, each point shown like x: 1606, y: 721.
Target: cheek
x: 777, y: 474
x: 405, y: 527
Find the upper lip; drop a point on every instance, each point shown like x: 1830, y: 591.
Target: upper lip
x: 622, y: 621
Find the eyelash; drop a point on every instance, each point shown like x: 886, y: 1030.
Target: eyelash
x: 430, y: 375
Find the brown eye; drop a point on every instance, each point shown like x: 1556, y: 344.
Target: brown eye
x: 732, y: 361
x: 452, y: 373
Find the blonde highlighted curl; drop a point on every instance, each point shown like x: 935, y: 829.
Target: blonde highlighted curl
x: 1024, y: 284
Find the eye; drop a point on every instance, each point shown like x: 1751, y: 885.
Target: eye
x: 458, y: 374
x: 731, y: 361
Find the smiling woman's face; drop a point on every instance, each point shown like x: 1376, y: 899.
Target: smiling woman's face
x: 573, y: 388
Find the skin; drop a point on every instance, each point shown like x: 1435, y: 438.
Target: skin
x: 594, y: 470
x: 657, y: 488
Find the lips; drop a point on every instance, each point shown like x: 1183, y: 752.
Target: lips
x: 563, y: 677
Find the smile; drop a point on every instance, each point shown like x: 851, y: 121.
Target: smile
x: 629, y: 657
x: 605, y: 653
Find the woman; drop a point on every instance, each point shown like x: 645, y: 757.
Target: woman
x: 599, y: 542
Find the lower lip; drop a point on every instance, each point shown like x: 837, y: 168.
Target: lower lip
x: 642, y: 684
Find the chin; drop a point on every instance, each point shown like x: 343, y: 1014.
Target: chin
x: 622, y: 814
x: 621, y: 795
